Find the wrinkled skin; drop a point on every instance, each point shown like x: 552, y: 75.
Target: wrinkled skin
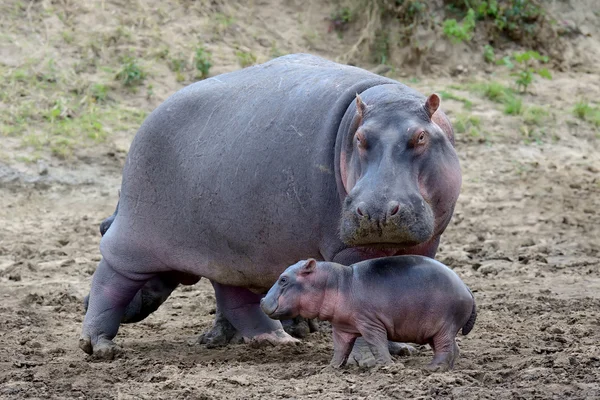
x: 236, y: 177
x: 405, y: 298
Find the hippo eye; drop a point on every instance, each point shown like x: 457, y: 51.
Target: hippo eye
x: 421, y: 138
x: 283, y: 280
x: 361, y: 141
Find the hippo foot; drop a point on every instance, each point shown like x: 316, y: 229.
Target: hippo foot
x: 221, y: 334
x: 300, y: 327
x: 104, y: 349
x: 401, y: 349
x: 276, y: 338
x: 362, y: 355
x: 438, y: 367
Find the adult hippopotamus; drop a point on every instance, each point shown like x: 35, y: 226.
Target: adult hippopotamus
x: 238, y: 176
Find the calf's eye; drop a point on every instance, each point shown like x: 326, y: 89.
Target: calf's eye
x: 283, y: 280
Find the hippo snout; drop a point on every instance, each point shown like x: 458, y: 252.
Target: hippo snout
x: 269, y: 305
x: 393, y: 222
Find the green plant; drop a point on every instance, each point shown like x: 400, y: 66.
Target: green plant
x: 224, y: 20
x: 467, y: 124
x: 583, y: 110
x: 488, y: 54
x: 524, y: 66
x: 202, y: 62
x: 460, y: 32
x: 131, y: 74
x: 245, y: 58
x: 382, y: 47
x: 534, y: 115
x: 520, y: 20
x: 513, y: 105
x: 99, y: 92
x: 494, y: 91
x: 339, y: 19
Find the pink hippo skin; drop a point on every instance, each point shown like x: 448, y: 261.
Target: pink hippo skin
x: 405, y: 298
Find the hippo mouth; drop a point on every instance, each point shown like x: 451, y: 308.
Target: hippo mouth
x: 391, y: 234
x: 269, y: 307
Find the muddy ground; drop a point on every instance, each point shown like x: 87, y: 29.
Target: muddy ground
x: 525, y: 237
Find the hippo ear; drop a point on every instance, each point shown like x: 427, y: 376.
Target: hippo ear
x: 432, y: 104
x: 361, y: 107
x: 308, y: 267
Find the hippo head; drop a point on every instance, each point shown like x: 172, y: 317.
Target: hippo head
x: 398, y: 171
x: 296, y: 292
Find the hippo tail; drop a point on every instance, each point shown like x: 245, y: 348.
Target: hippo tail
x: 471, y: 322
x: 108, y: 221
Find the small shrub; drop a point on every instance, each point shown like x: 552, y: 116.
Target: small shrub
x: 202, y: 62
x: 339, y: 19
x: 131, y: 74
x: 525, y: 66
x: 460, y: 32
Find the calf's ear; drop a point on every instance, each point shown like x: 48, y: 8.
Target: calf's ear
x: 308, y: 267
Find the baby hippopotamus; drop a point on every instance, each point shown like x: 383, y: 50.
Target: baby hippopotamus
x: 405, y: 298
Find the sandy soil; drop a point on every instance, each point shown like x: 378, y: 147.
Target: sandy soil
x: 525, y: 237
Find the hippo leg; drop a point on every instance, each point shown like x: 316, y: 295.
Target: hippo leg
x: 111, y: 293
x: 240, y: 308
x: 221, y: 334
x: 342, y: 346
x: 300, y: 327
x: 155, y: 292
x: 376, y: 338
x: 445, y: 353
x: 363, y: 356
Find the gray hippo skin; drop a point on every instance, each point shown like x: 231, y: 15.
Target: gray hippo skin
x: 404, y: 298
x: 238, y: 176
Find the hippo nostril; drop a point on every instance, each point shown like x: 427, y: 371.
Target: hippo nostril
x: 361, y: 210
x: 393, y: 208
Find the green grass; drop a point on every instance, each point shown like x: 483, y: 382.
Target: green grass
x: 535, y: 115
x: 57, y: 114
x: 493, y: 91
x: 584, y: 111
x: 468, y: 104
x: 468, y: 124
x: 245, y: 58
x: 131, y: 73
x: 513, y: 105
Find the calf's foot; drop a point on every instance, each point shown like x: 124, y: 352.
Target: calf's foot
x: 362, y: 355
x: 445, y: 353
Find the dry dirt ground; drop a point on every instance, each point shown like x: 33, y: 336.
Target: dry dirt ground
x: 525, y: 237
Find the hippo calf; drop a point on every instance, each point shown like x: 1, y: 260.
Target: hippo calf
x: 403, y: 298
